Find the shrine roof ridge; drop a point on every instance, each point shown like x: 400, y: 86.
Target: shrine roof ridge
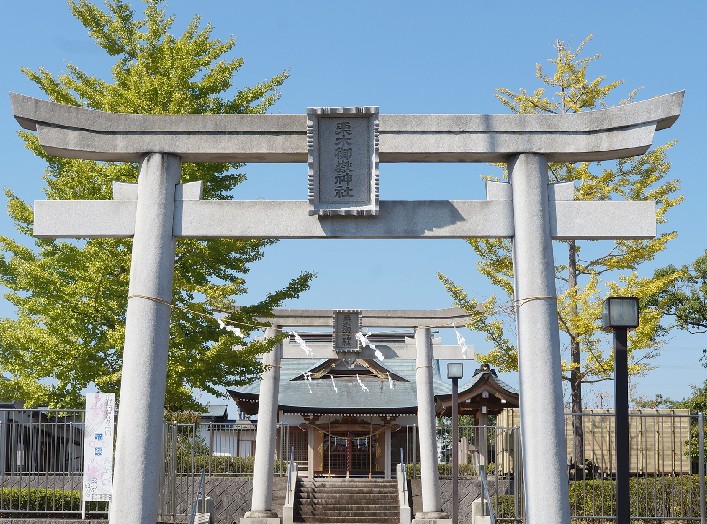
x: 77, y: 132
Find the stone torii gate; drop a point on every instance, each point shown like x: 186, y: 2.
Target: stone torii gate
x: 158, y: 210
x: 423, y: 350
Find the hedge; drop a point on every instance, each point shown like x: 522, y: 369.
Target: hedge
x: 227, y: 465
x: 35, y: 502
x: 653, y: 497
x: 445, y: 470
x: 650, y: 497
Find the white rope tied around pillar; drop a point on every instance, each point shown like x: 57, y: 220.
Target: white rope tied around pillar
x: 363, y: 386
x: 336, y: 390
x: 523, y: 301
x: 210, y: 315
x: 302, y: 344
x: 363, y: 340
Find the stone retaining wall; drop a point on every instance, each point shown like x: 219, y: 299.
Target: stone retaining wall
x: 469, y: 490
x: 232, y: 497
x: 51, y: 521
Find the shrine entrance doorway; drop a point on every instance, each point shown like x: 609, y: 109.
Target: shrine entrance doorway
x: 350, y: 454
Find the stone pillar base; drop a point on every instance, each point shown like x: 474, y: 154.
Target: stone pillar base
x: 432, y: 517
x: 260, y: 517
x: 477, y: 513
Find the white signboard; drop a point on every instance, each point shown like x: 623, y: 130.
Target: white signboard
x: 98, y: 446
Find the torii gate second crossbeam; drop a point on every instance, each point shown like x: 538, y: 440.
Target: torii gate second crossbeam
x: 528, y: 210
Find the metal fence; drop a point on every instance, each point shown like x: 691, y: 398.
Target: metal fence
x: 667, y: 465
x: 41, y: 462
x: 223, y: 449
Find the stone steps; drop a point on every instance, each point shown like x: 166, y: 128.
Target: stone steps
x: 346, y: 501
x: 340, y: 519
x: 343, y: 501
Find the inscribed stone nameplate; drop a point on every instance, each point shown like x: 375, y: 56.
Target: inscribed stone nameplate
x: 346, y: 323
x: 343, y: 160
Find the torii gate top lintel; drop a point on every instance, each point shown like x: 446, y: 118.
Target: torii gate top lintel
x: 616, y: 132
x: 368, y: 318
x: 393, y: 318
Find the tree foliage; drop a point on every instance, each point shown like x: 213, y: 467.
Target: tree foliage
x: 583, y: 280
x: 696, y: 402
x: 71, y: 297
x: 685, y: 301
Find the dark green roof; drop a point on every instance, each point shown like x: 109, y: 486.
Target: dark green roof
x: 295, y: 396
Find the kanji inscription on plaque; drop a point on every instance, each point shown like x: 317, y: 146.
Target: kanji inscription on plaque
x: 343, y: 160
x: 346, y: 324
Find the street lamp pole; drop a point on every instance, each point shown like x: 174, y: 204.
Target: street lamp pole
x: 621, y: 314
x: 623, y: 506
x: 455, y: 451
x: 455, y: 371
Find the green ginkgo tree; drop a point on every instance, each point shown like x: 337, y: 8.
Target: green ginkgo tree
x: 590, y: 271
x: 70, y: 298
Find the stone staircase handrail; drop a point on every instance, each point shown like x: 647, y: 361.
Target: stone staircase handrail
x: 288, y: 510
x: 405, y: 510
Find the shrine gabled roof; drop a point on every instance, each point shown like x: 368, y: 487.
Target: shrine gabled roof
x: 298, y: 395
x: 484, y: 389
x: 215, y: 412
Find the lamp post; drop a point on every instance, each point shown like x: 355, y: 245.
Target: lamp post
x: 455, y: 371
x: 621, y: 314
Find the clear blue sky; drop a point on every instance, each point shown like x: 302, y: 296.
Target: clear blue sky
x: 408, y: 57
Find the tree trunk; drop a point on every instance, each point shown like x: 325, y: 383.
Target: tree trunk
x: 576, y: 376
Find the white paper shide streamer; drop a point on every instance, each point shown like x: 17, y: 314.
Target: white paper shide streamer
x: 363, y: 340
x: 336, y: 390
x: 302, y: 344
x: 363, y: 386
x: 308, y: 379
x: 462, y: 343
x: 390, y: 382
x: 227, y: 327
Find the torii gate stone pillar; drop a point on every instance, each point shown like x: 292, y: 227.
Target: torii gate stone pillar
x: 146, y: 338
x: 537, y: 326
x: 266, y: 436
x: 343, y: 147
x: 427, y: 428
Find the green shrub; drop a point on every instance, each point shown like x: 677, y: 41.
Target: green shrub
x: 666, y: 496
x: 33, y: 502
x: 491, y: 468
x: 650, y: 497
x: 465, y: 470
x: 445, y: 470
x: 592, y: 497
x: 226, y: 465
x: 504, y: 506
x: 219, y: 464
x: 654, y: 497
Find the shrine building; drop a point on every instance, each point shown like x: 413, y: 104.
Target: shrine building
x: 351, y: 416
